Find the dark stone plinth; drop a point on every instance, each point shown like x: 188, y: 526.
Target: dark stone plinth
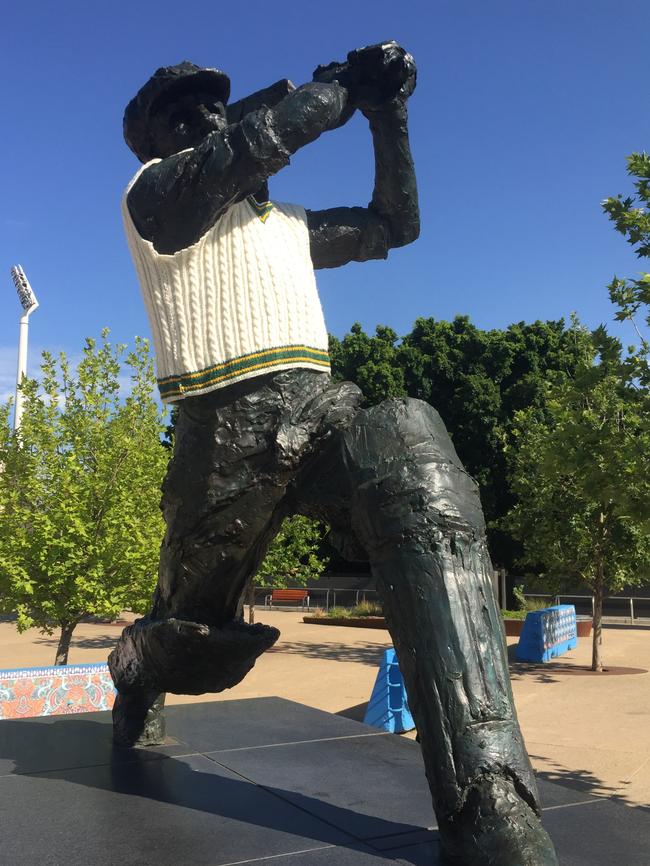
x: 251, y: 779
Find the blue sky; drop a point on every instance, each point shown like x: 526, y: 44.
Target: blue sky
x: 520, y: 125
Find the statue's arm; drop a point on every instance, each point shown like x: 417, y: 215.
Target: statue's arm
x: 392, y: 219
x: 175, y: 201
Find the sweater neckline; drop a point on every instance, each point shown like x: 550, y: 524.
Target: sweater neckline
x: 261, y: 209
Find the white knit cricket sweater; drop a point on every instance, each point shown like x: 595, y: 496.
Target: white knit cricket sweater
x: 239, y: 303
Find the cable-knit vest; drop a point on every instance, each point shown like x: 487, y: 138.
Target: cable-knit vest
x: 239, y: 303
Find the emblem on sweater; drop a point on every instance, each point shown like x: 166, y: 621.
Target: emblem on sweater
x: 262, y: 209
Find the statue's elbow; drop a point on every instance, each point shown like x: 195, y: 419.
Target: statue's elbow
x: 405, y: 232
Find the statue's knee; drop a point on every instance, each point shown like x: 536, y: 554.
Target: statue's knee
x: 406, y: 469
x: 401, y: 428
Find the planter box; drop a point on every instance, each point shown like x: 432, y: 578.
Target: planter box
x: 351, y: 621
x: 583, y: 625
x: 513, y: 627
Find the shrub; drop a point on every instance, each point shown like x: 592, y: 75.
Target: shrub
x: 339, y: 612
x: 367, y: 608
x: 514, y: 614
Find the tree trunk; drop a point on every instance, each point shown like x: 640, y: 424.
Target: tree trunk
x: 64, y: 642
x: 250, y: 600
x: 596, y: 656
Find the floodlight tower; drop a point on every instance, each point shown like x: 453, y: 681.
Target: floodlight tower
x: 29, y: 303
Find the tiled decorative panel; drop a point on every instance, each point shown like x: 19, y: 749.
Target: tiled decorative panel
x: 51, y: 691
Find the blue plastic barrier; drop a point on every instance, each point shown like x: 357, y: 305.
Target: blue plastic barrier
x: 388, y: 708
x: 547, y: 634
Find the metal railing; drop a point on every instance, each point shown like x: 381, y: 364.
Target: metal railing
x: 326, y: 597
x: 608, y: 600
x: 359, y: 595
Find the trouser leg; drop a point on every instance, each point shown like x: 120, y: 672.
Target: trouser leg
x: 418, y: 515
x: 191, y: 643
x: 220, y: 501
x: 223, y: 501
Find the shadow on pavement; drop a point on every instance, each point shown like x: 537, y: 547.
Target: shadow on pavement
x: 361, y: 653
x: 103, y: 642
x: 584, y: 781
x: 555, y: 672
x: 184, y: 783
x: 356, y: 713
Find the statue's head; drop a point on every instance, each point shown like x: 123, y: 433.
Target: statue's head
x: 175, y: 109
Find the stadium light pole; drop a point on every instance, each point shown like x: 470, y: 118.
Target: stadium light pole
x: 29, y: 303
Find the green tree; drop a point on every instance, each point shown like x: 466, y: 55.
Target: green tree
x: 292, y: 558
x: 631, y: 217
x: 372, y: 363
x: 80, y: 525
x: 581, y: 475
x: 476, y: 379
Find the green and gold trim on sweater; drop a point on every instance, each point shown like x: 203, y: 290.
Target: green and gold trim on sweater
x: 262, y: 209
x: 185, y: 384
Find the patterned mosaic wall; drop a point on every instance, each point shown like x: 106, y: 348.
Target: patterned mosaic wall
x: 53, y: 691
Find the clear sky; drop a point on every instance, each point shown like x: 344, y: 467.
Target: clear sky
x: 524, y: 113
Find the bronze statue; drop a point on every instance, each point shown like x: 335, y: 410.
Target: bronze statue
x: 263, y: 432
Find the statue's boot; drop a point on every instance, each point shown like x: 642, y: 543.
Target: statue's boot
x: 172, y: 655
x: 497, y: 827
x: 418, y: 515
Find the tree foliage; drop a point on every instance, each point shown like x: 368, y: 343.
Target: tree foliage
x: 631, y: 217
x: 476, y: 379
x: 293, y: 556
x: 79, y: 492
x: 372, y: 363
x: 292, y: 559
x: 581, y: 476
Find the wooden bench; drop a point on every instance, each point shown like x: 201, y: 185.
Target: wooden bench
x: 294, y: 596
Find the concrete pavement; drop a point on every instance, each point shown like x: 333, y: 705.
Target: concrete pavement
x: 585, y: 730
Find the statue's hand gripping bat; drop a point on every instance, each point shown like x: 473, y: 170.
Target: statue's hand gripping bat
x: 374, y: 75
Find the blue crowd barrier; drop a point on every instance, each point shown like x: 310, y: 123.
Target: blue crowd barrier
x: 547, y: 634
x: 388, y: 708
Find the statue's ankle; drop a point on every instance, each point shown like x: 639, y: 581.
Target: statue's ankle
x: 495, y: 825
x: 138, y: 719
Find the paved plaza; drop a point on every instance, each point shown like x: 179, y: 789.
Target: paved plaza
x: 585, y: 731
